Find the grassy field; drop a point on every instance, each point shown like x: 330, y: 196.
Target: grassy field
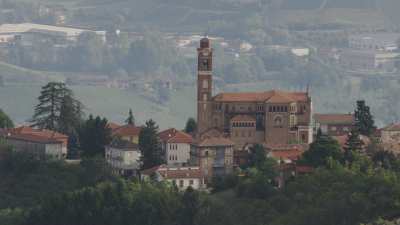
x: 19, y: 100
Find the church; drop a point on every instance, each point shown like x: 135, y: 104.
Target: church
x: 272, y: 118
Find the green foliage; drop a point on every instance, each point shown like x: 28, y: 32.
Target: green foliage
x: 354, y: 145
x: 191, y: 126
x: 94, y: 135
x: 364, y: 119
x: 5, y: 121
x: 131, y: 119
x: 259, y: 182
x: 150, y: 146
x: 257, y: 156
x: 26, y: 181
x: 57, y: 109
x: 323, y: 149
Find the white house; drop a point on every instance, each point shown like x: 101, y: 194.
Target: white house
x: 40, y: 146
x: 176, y: 146
x: 181, y: 177
x: 123, y: 157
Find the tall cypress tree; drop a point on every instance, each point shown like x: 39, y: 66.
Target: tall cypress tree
x: 150, y: 146
x: 364, y: 120
x: 94, y: 136
x: 131, y: 119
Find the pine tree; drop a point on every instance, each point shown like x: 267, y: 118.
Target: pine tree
x: 150, y: 146
x: 321, y: 150
x: 5, y: 121
x: 257, y: 156
x: 363, y: 119
x: 94, y: 136
x: 191, y: 126
x: 131, y: 119
x: 353, y: 145
x: 57, y: 109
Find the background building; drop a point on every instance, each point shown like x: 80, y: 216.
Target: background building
x: 123, y: 157
x: 181, y: 177
x: 271, y: 117
x: 333, y: 124
x: 176, y: 145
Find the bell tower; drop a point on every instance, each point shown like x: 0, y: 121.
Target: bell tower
x: 204, y: 85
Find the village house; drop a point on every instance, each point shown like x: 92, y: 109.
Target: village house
x: 43, y: 143
x: 181, y: 177
x: 374, y: 41
x: 176, y: 146
x: 333, y: 124
x: 214, y: 155
x: 390, y: 138
x: 123, y: 157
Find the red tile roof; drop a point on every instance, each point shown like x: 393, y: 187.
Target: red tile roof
x: 392, y: 127
x: 175, y: 172
x: 173, y: 135
x: 334, y: 118
x: 113, y: 126
x: 293, y: 154
x: 241, y: 118
x: 127, y: 130
x: 37, y: 135
x: 274, y: 96
x: 34, y: 138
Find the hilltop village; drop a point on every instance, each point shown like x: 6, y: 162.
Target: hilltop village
x: 230, y: 128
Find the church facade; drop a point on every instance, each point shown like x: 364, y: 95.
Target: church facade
x: 271, y: 118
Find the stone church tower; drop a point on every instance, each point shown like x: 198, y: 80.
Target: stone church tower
x: 204, y: 85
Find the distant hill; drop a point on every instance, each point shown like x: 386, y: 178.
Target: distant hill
x: 316, y: 4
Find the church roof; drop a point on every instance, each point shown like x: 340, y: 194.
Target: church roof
x: 274, y: 96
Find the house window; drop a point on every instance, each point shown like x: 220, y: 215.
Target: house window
x: 303, y: 138
x: 204, y: 97
x: 191, y: 182
x: 181, y: 183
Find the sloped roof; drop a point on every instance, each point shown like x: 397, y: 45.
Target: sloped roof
x: 292, y: 154
x: 334, y: 118
x: 34, y: 138
x: 38, y: 132
x: 392, y: 127
x: 113, y: 126
x: 175, y: 172
x: 215, y: 142
x: 274, y: 96
x: 241, y: 118
x: 173, y: 135
x: 127, y: 130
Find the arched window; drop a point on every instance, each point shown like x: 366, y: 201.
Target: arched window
x: 278, y: 121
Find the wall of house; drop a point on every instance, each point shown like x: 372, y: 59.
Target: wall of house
x: 184, y: 183
x: 54, y: 151
x: 122, y: 159
x: 38, y: 149
x: 177, y: 153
